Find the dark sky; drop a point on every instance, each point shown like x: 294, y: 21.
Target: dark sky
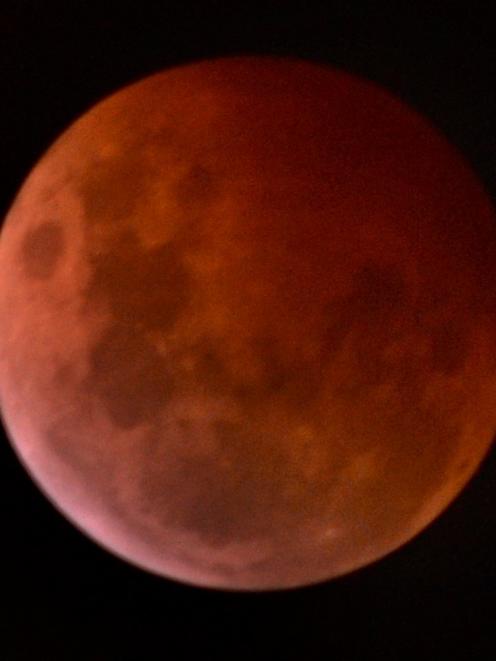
x: 64, y: 598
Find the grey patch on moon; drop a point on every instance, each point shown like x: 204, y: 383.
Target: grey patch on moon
x: 41, y: 250
x: 148, y: 289
x: 246, y: 489
x: 129, y: 376
x: 223, y: 497
x: 378, y: 312
x: 143, y: 291
x: 295, y: 383
x: 378, y: 293
x: 295, y: 380
x: 196, y: 188
x: 372, y: 316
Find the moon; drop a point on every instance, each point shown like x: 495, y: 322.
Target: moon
x: 248, y: 323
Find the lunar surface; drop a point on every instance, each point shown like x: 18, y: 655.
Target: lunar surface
x: 248, y: 323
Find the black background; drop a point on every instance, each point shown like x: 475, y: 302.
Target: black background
x: 61, y: 596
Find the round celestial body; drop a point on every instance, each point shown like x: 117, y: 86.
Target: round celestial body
x: 248, y: 323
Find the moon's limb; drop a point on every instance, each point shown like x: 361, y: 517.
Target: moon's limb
x: 248, y: 323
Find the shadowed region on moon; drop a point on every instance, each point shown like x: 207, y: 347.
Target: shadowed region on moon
x: 41, y: 250
x: 380, y: 311
x: 144, y: 290
x: 147, y: 289
x: 145, y: 386
x: 196, y: 189
x: 277, y: 364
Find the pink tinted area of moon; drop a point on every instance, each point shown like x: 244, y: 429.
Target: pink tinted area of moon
x: 247, y: 323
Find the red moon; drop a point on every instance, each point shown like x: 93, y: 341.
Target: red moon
x: 248, y: 323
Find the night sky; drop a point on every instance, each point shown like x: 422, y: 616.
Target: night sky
x: 64, y: 598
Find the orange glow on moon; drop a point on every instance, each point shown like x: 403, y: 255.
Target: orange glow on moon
x: 248, y: 323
